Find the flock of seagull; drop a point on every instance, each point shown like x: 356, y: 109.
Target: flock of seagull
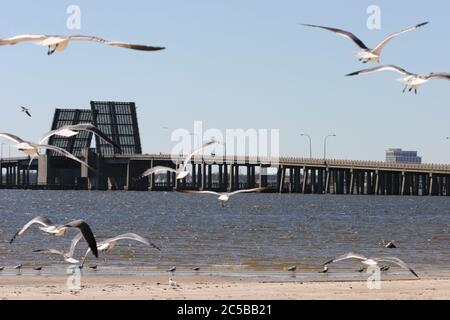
x: 411, y: 80
x: 60, y: 43
x: 48, y: 227
x: 85, y: 231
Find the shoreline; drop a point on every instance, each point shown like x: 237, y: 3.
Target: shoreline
x: 203, y: 287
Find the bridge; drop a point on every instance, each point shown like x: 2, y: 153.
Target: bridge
x: 122, y: 171
x: 283, y: 175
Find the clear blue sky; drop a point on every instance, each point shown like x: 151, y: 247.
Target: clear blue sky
x: 237, y: 64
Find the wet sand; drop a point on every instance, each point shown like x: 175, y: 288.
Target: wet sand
x: 217, y: 288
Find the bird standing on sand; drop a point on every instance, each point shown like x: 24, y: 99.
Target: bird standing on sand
x: 366, y: 54
x: 61, y: 42
x: 373, y: 261
x: 224, y: 197
x: 411, y: 80
x: 325, y: 269
x: 292, y: 269
x: 18, y: 268
x: 172, y: 283
x: 49, y: 227
x: 172, y: 270
x: 26, y: 111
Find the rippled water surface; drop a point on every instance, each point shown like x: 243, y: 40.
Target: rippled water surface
x: 258, y: 232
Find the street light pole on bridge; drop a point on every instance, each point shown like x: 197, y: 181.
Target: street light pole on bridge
x: 310, y: 144
x: 325, y: 146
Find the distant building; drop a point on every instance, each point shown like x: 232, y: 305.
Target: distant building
x: 400, y: 156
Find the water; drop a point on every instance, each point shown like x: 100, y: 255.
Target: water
x: 259, y: 233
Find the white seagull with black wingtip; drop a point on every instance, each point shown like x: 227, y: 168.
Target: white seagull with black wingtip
x: 372, y: 261
x: 32, y: 149
x: 61, y: 42
x: 366, y: 54
x: 50, y: 228
x: 411, y: 80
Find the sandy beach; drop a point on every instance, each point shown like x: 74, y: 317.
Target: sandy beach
x: 216, y: 288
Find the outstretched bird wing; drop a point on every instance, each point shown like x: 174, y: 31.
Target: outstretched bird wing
x: 44, y: 221
x: 91, y: 128
x: 132, y: 236
x: 213, y: 193
x: 439, y: 75
x: 51, y: 251
x: 64, y: 153
x: 389, y: 67
x: 398, y: 262
x: 87, y: 234
x: 247, y: 191
x: 342, y: 33
x: 116, y: 43
x: 189, y: 157
x: 347, y: 256
x: 22, y: 38
x: 78, y: 127
x: 380, y: 47
x: 156, y: 170
x: 73, y: 244
x: 11, y: 137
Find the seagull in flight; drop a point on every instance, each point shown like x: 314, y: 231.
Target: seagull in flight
x: 72, y: 130
x: 411, y: 80
x: 32, y: 149
x: 181, y: 173
x: 61, y: 42
x: 68, y: 256
x: 223, y: 197
x: 372, y: 261
x: 108, y: 244
x: 26, y: 111
x: 366, y: 54
x: 50, y: 228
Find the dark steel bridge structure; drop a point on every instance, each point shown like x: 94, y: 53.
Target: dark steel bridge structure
x: 121, y: 169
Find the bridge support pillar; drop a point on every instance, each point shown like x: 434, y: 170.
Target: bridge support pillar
x: 263, y: 176
x: 305, y: 180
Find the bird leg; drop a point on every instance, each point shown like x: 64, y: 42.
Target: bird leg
x: 406, y: 87
x: 52, y: 51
